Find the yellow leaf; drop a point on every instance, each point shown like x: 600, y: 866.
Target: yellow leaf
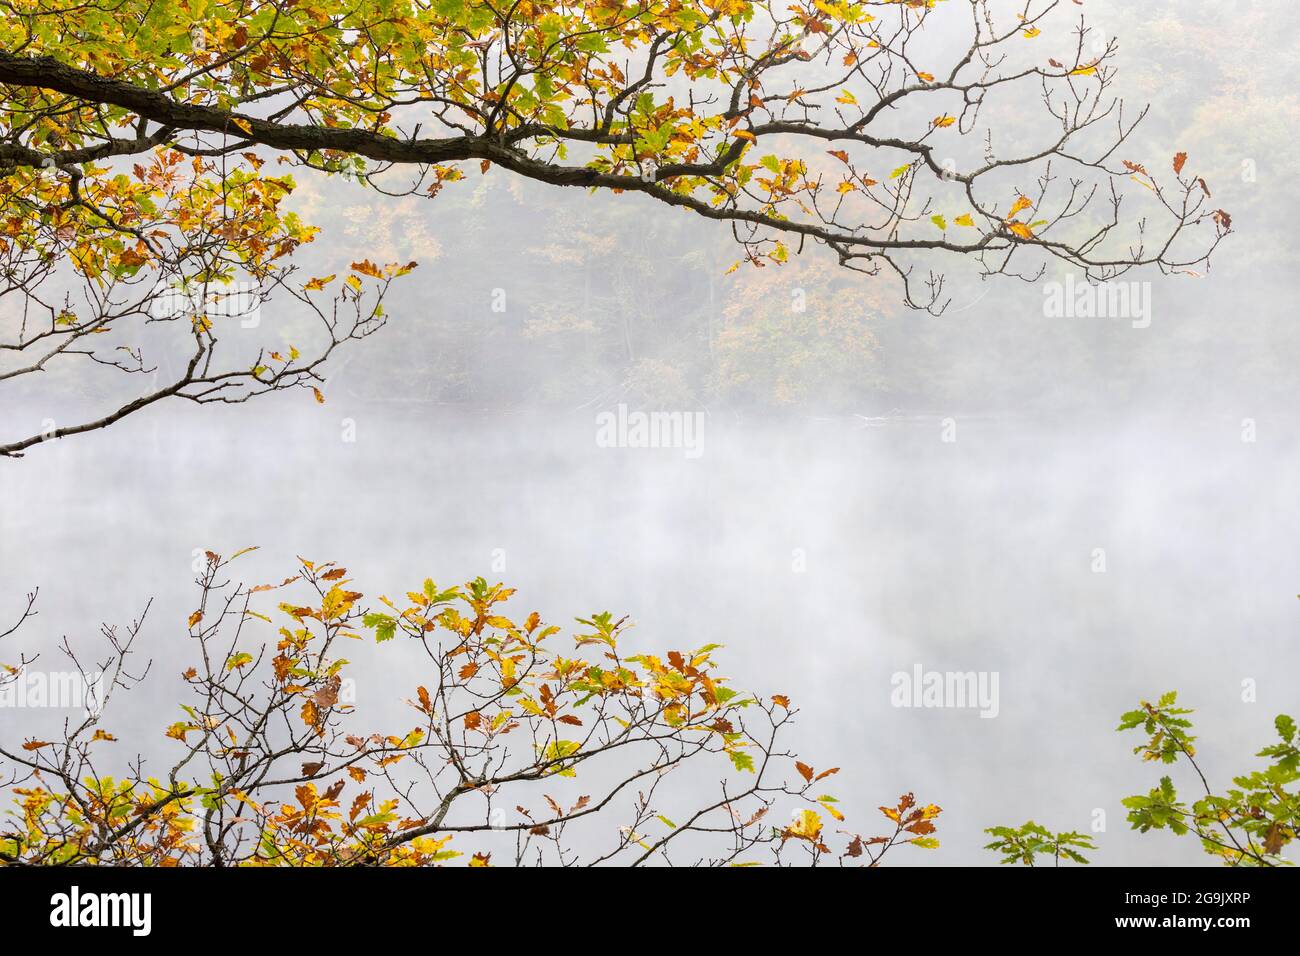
x: 807, y: 825
x: 964, y: 220
x: 944, y: 120
x: 1021, y: 230
x: 195, y: 618
x: 1022, y: 202
x: 846, y: 97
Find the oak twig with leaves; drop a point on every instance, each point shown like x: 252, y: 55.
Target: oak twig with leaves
x: 1024, y: 843
x: 519, y: 747
x: 138, y: 139
x: 1246, y: 825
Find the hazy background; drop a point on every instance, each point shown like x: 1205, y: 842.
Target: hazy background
x: 475, y: 443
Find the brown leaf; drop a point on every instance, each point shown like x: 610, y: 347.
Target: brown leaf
x: 1179, y: 160
x: 328, y: 695
x: 1274, y: 839
x: 805, y: 771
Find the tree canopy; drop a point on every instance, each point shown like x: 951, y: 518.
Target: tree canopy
x: 519, y: 745
x: 146, y: 152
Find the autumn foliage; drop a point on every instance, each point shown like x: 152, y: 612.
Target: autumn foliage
x: 518, y: 745
x: 146, y: 152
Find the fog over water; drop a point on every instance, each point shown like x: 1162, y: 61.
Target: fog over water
x: 970, y: 556
x: 951, y: 518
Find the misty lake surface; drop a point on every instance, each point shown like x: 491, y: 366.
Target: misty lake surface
x: 1086, y: 566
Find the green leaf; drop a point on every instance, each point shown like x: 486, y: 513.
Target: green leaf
x: 741, y: 760
x: 1285, y: 727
